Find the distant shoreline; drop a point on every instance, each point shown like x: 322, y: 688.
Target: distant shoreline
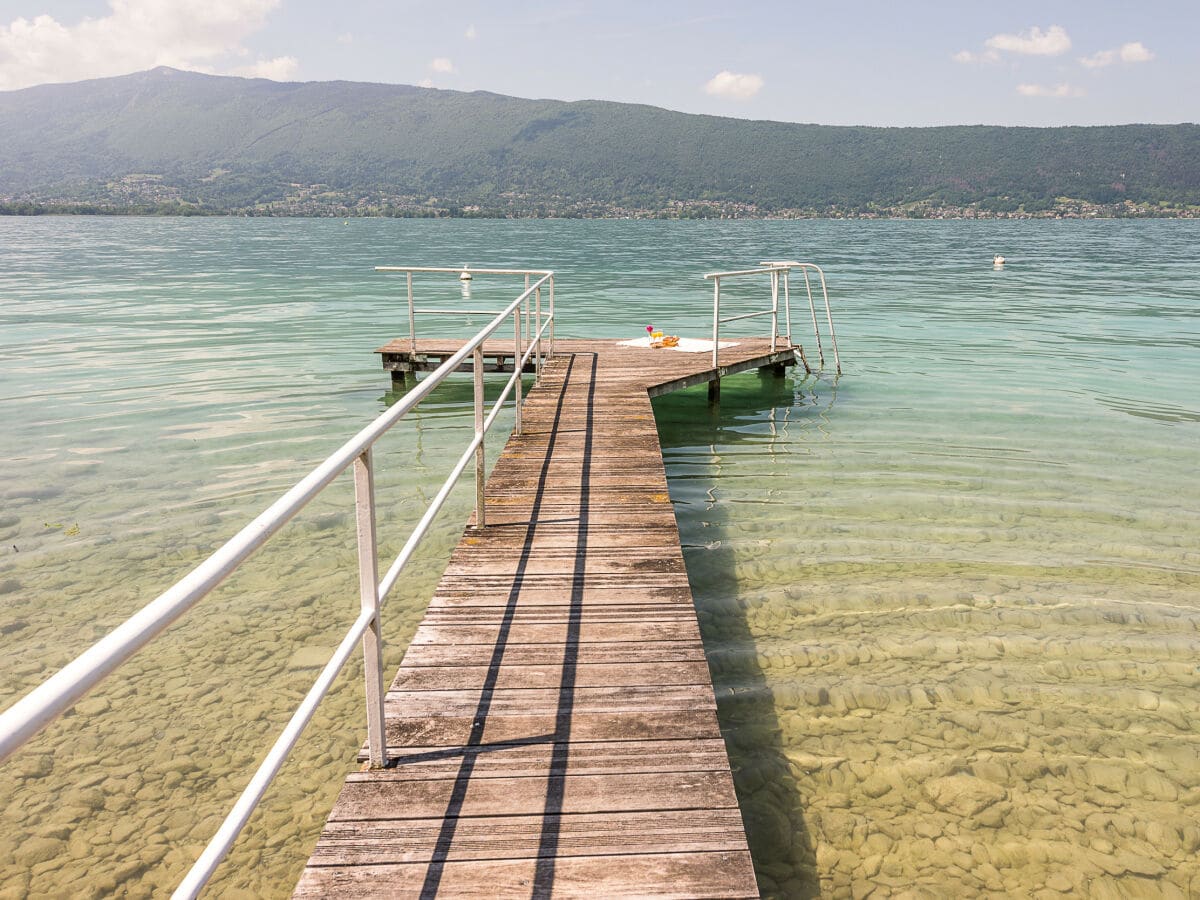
x: 1068, y: 210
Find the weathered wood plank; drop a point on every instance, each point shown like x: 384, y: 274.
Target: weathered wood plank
x: 390, y: 795
x: 663, y: 586
x: 668, y: 876
x: 520, y: 633
x: 520, y: 837
x: 580, y: 564
x: 529, y: 613
x: 468, y: 593
x: 623, y: 653
x: 531, y: 701
x: 606, y: 674
x: 656, y: 535
x: 483, y: 592
x: 584, y: 758
x: 629, y: 725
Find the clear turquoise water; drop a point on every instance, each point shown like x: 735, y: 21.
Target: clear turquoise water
x: 950, y: 599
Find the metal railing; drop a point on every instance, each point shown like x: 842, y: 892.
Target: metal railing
x: 776, y: 269
x: 533, y: 311
x: 29, y: 715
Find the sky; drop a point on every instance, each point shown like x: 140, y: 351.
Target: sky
x: 847, y: 62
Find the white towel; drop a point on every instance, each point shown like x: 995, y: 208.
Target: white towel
x: 686, y: 345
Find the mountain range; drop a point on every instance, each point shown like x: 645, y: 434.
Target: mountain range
x: 172, y: 141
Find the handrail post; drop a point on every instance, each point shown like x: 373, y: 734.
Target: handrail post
x: 716, y: 318
x: 412, y: 318
x: 774, y: 308
x: 551, y: 313
x: 837, y: 362
x: 537, y: 317
x: 787, y: 303
x: 528, y: 312
x: 480, y: 457
x: 518, y: 352
x: 812, y: 307
x: 539, y: 359
x: 368, y: 589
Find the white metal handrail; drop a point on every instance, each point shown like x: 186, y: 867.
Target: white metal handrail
x: 533, y: 310
x: 776, y: 269
x: 33, y: 712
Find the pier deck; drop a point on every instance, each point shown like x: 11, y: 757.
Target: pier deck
x: 553, y: 727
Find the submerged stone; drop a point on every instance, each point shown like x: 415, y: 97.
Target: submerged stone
x: 963, y: 795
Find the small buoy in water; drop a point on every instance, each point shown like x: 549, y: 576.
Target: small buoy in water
x: 465, y: 276
x: 997, y: 260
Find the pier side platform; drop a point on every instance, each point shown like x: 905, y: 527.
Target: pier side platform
x: 552, y: 728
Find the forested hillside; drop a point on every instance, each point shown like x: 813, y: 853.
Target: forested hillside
x: 166, y: 140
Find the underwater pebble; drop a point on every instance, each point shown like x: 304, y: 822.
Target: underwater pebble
x: 963, y: 795
x: 34, y: 850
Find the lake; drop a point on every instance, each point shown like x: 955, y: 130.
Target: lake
x: 950, y: 600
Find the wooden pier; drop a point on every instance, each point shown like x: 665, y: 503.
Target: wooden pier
x: 552, y: 727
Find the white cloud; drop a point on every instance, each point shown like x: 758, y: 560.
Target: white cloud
x: 1054, y: 41
x: 136, y: 34
x: 1135, y: 52
x: 1099, y: 60
x: 442, y: 66
x: 471, y: 33
x: 734, y: 85
x: 425, y: 82
x: 1044, y: 90
x: 1132, y: 52
x: 966, y: 56
x: 346, y: 38
x: 281, y: 68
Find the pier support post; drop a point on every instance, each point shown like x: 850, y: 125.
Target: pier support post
x: 714, y: 390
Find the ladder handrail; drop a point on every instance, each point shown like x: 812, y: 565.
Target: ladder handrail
x: 775, y: 269
x: 805, y: 267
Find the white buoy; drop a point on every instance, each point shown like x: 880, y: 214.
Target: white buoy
x: 997, y: 260
x: 465, y: 276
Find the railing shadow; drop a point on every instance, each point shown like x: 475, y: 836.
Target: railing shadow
x: 543, y: 879
x: 773, y: 808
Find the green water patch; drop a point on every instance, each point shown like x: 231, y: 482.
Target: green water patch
x: 985, y: 531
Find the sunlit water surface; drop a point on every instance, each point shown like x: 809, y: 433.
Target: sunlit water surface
x: 950, y: 600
